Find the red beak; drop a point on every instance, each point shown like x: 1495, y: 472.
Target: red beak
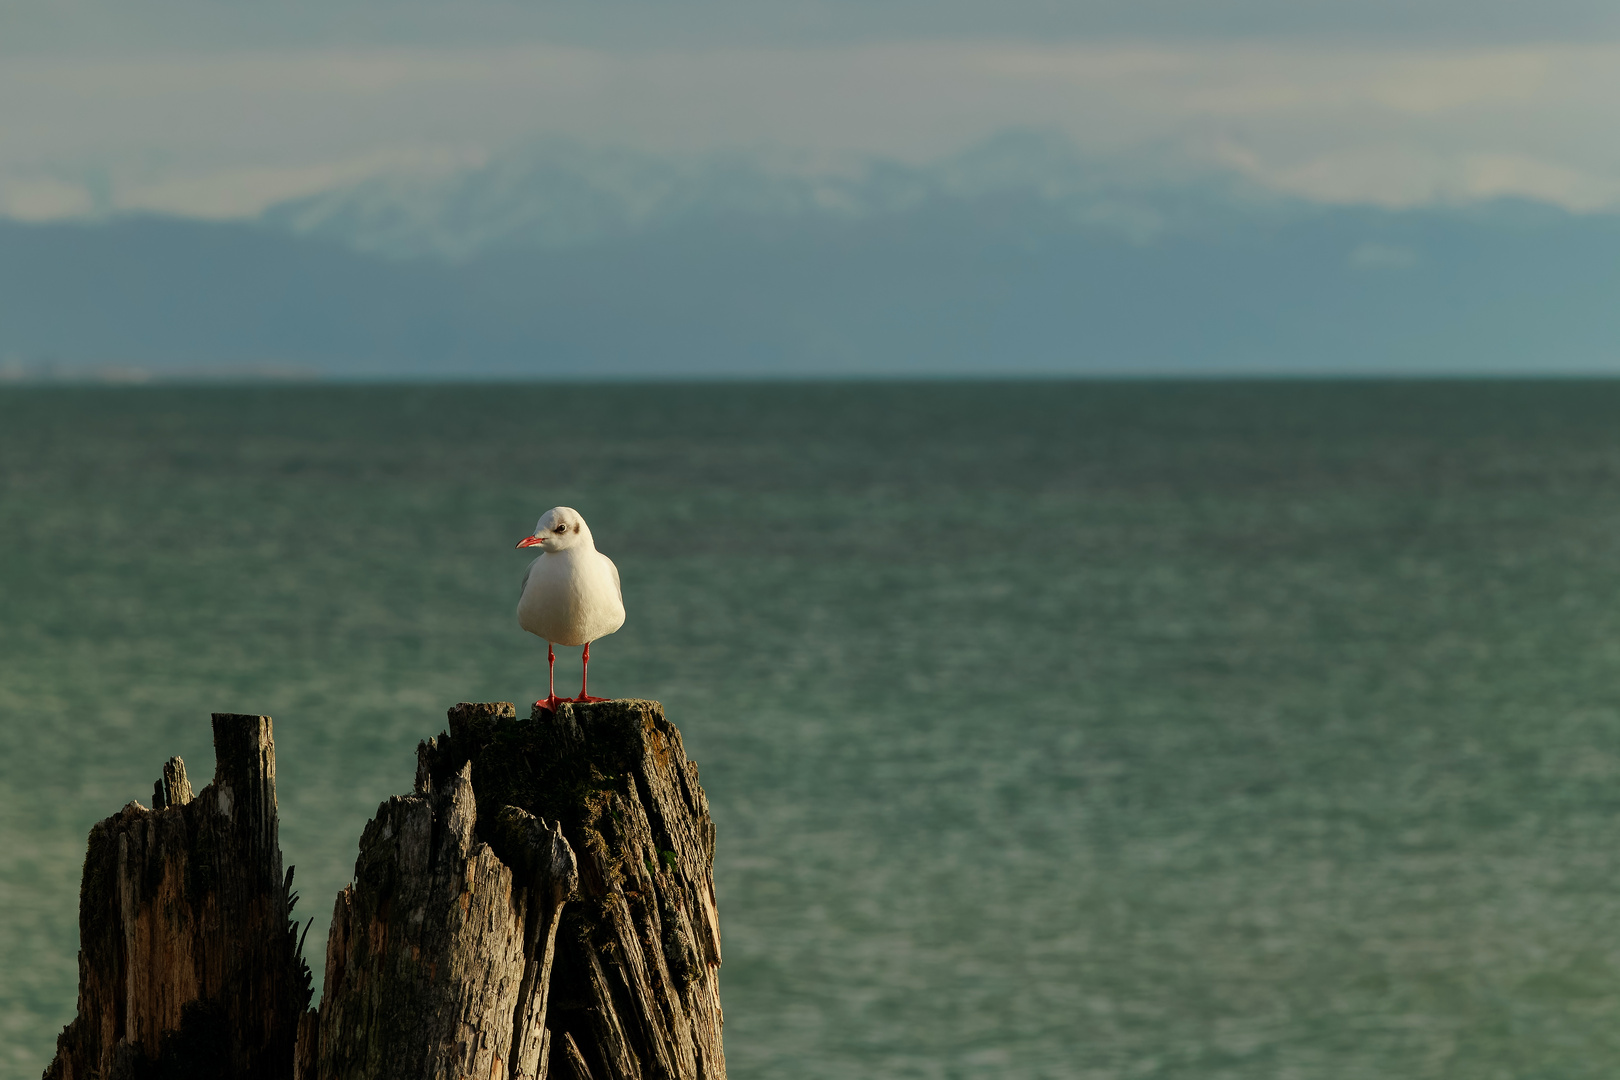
x: 531, y: 541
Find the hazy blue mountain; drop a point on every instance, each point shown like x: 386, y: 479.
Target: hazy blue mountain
x: 998, y: 282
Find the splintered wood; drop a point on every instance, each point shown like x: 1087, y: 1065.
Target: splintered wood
x: 188, y: 965
x: 435, y: 965
x: 542, y: 904
x: 635, y: 981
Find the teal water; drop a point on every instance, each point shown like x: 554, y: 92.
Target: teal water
x: 1066, y: 730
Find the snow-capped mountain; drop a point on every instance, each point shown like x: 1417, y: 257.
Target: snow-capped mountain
x: 1017, y: 256
x: 561, y: 193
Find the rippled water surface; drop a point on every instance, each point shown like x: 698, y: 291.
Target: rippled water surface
x: 1066, y: 730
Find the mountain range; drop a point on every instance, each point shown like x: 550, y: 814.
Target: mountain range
x: 1016, y: 257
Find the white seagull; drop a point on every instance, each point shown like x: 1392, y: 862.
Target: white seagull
x: 570, y: 594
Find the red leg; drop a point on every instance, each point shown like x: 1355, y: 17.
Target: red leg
x: 551, y: 700
x: 584, y: 671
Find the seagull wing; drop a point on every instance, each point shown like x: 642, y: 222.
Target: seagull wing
x: 615, y: 569
x: 525, y: 586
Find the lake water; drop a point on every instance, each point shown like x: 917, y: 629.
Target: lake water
x: 1090, y: 730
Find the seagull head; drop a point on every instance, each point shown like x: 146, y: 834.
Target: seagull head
x: 559, y: 529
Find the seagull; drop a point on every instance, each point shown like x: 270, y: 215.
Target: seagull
x: 570, y: 594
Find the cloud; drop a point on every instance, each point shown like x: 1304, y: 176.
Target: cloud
x: 44, y: 198
x: 226, y: 134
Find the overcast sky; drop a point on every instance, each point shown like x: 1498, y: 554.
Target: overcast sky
x: 219, y: 109
x: 79, y: 25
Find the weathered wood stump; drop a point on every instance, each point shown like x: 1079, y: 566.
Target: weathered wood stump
x: 542, y: 904
x: 439, y: 957
x: 188, y: 966
x: 635, y: 984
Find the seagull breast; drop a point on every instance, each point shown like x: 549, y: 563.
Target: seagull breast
x: 571, y: 597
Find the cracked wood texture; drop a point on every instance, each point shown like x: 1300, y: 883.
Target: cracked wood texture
x: 635, y: 981
x: 439, y: 959
x: 188, y: 965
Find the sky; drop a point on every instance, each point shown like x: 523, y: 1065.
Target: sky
x: 219, y: 110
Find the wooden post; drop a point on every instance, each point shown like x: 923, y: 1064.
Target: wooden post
x: 542, y: 904
x: 439, y: 958
x: 188, y: 965
x: 635, y: 985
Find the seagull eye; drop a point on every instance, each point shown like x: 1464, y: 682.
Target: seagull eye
x: 559, y: 530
